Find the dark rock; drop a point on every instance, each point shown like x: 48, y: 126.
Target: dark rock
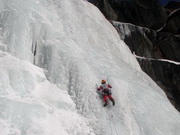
x: 139, y: 12
x: 149, y: 43
x: 166, y: 75
x: 172, y: 24
x: 172, y: 5
x: 169, y: 45
x: 155, y: 45
x: 140, y: 40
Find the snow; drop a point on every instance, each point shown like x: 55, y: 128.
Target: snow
x: 52, y: 53
x: 165, y: 60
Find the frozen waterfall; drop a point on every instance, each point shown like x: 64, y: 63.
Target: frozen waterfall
x: 52, y: 53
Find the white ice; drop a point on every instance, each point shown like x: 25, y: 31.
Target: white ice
x: 53, y: 52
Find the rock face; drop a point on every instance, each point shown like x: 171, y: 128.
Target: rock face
x: 133, y: 11
x: 149, y: 43
x: 166, y: 75
x: 157, y: 38
x: 140, y: 40
x: 169, y: 45
x: 172, y: 24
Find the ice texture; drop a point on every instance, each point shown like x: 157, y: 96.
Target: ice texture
x: 52, y: 53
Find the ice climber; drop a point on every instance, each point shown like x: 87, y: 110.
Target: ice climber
x: 106, y: 92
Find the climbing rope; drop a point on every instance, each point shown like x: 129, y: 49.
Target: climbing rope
x: 110, y: 122
x: 111, y: 119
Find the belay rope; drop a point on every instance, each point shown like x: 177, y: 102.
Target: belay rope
x: 111, y: 120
